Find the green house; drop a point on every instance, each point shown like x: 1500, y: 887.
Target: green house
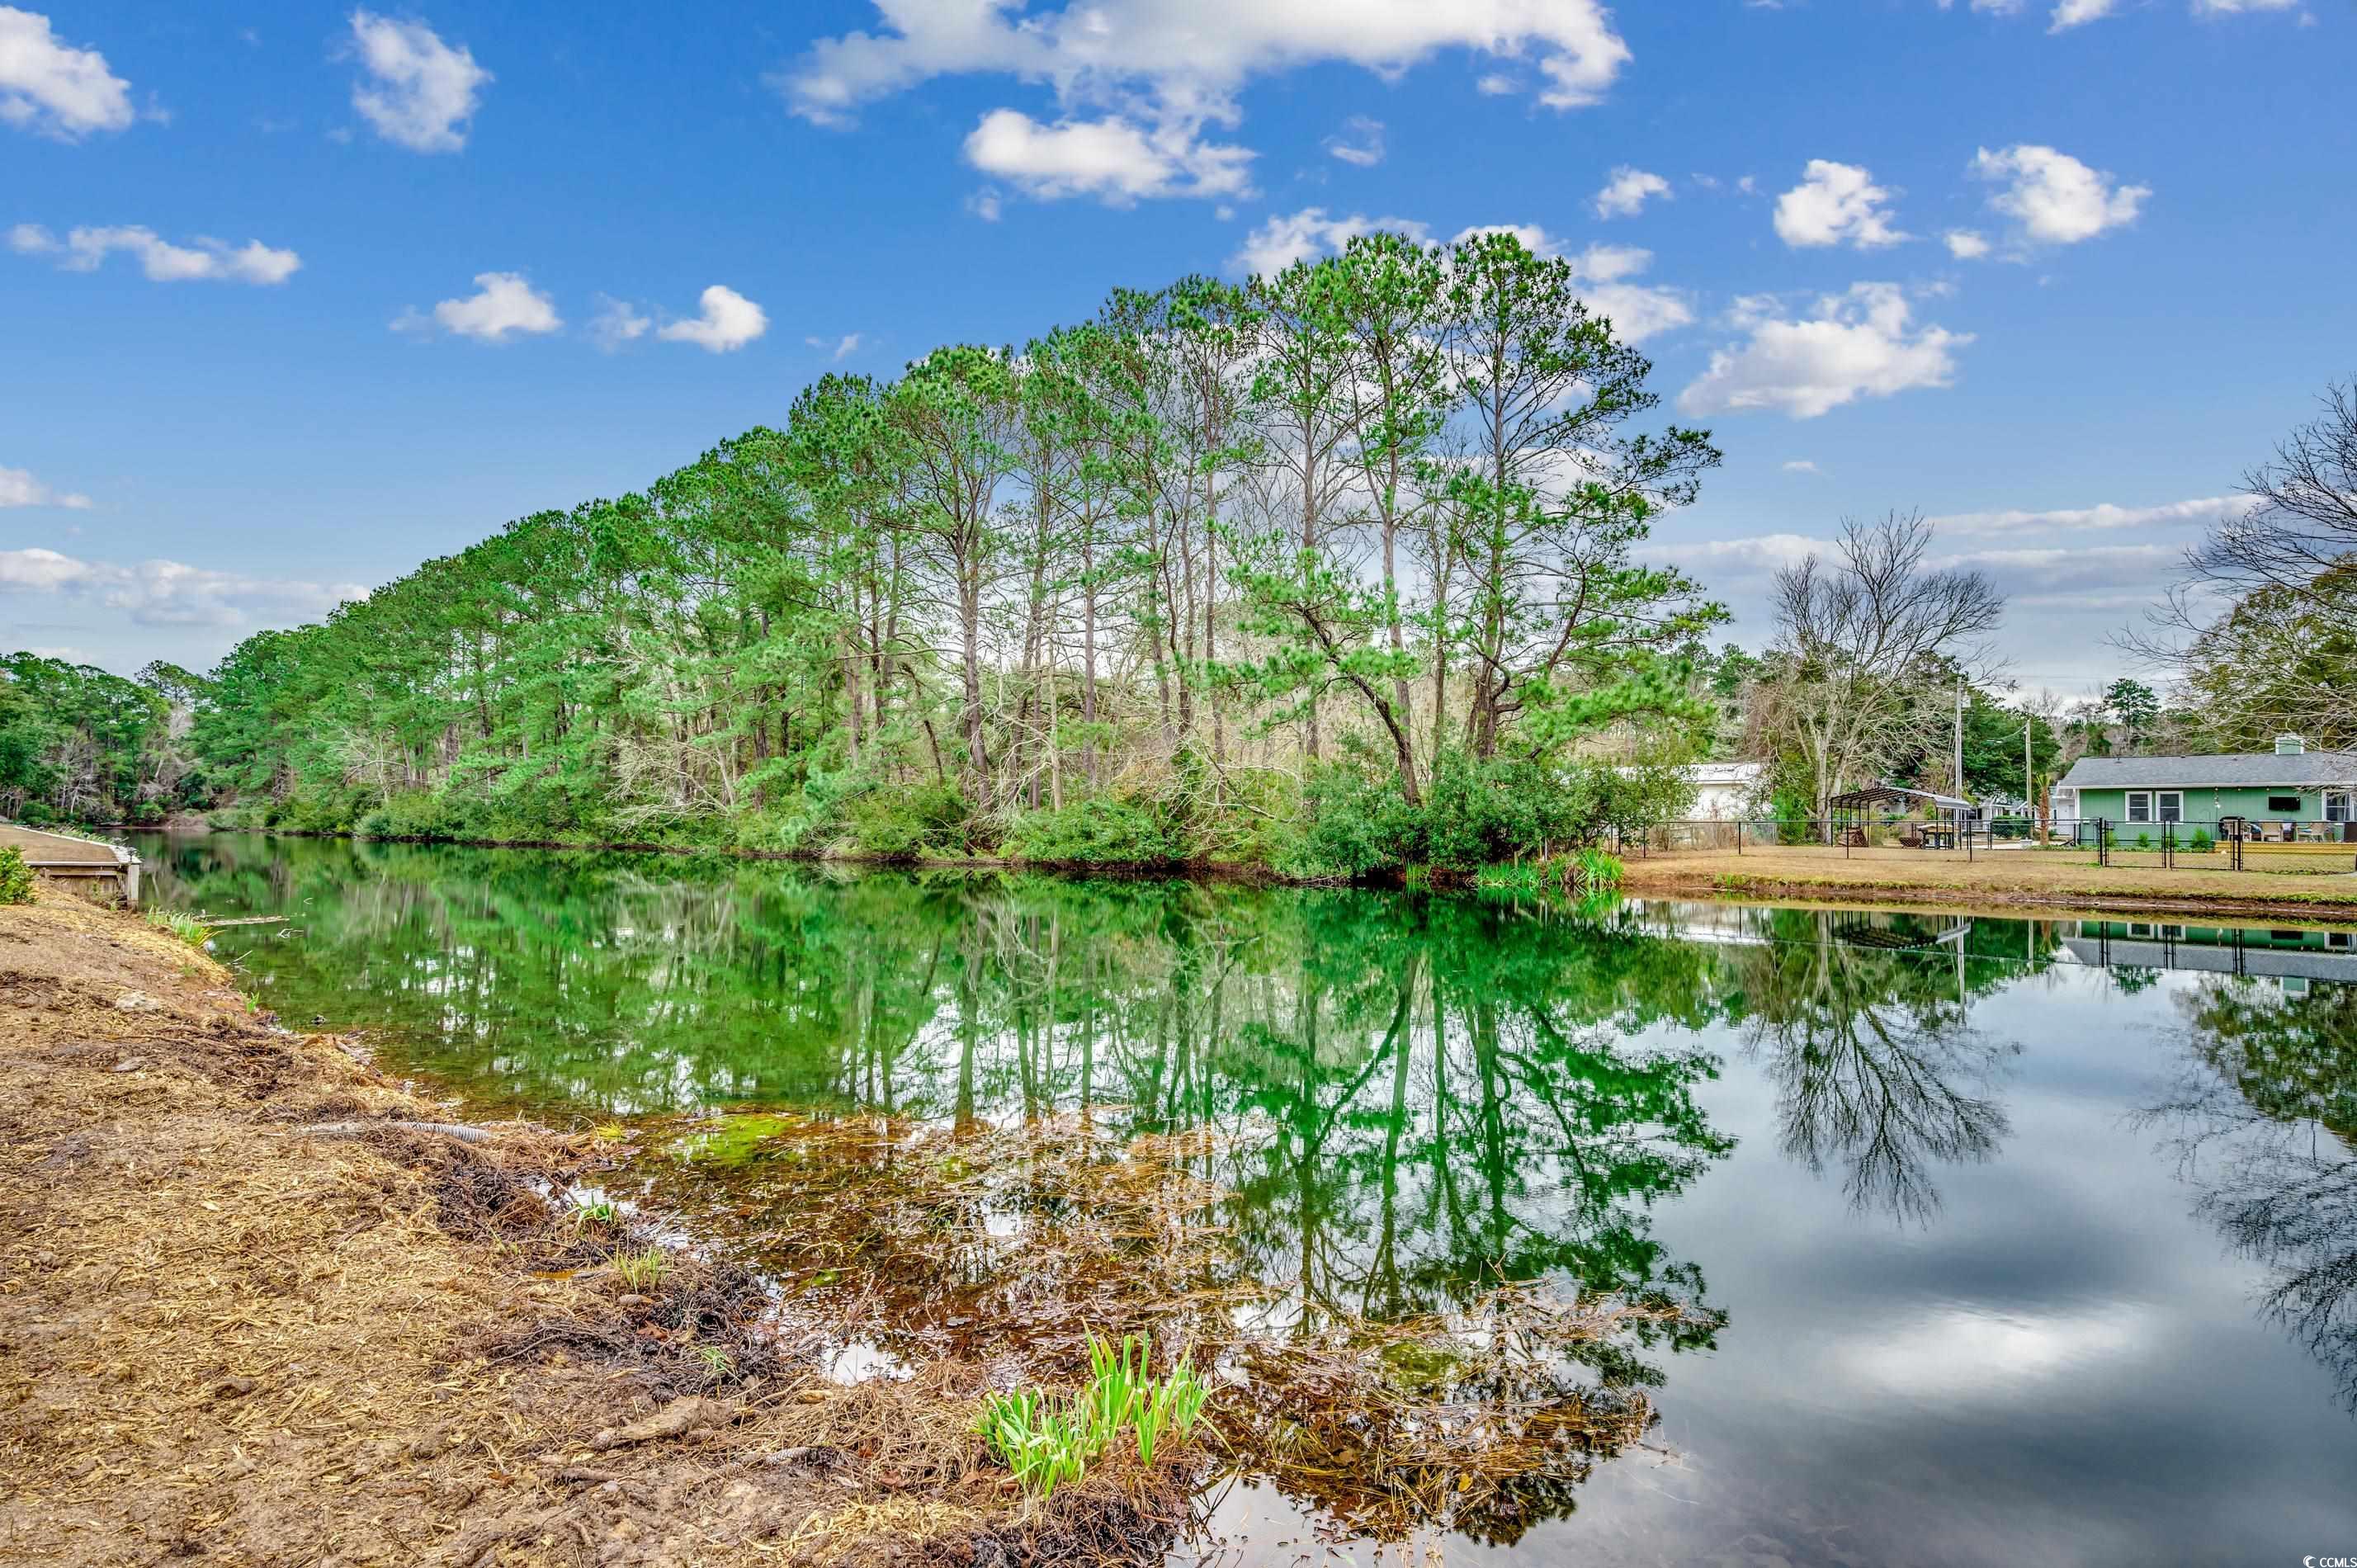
x: 2270, y: 789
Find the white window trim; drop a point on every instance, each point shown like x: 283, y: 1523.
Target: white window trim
x: 2160, y: 810
x: 2340, y: 798
x: 2128, y: 806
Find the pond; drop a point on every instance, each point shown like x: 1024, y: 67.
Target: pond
x: 1997, y: 1240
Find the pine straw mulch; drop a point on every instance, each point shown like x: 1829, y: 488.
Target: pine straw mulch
x: 226, y: 1336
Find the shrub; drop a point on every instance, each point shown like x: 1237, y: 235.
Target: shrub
x: 1475, y: 813
x: 2202, y: 843
x: 903, y: 823
x: 15, y: 876
x: 1353, y: 826
x: 1101, y: 832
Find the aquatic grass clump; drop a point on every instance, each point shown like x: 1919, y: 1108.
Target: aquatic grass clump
x: 643, y: 1270
x: 1050, y: 1442
x: 1045, y: 1442
x: 1175, y: 1404
x: 1585, y: 874
x: 186, y: 926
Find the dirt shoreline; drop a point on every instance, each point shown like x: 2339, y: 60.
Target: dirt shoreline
x: 1667, y: 878
x: 254, y: 1311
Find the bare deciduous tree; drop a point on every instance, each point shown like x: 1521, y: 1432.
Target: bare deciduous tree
x: 2302, y: 525
x: 1858, y: 637
x: 2259, y: 633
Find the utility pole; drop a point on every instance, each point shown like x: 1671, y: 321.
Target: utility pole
x: 1960, y: 737
x: 2029, y: 777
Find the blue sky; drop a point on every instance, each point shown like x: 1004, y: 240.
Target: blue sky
x: 2056, y: 270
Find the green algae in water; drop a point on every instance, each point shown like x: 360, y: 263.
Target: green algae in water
x: 1419, y: 1368
x: 731, y: 1139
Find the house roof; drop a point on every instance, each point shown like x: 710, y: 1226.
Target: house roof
x: 1725, y: 772
x: 1897, y: 795
x: 2257, y: 769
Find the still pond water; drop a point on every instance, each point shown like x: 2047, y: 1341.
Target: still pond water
x: 2035, y: 1241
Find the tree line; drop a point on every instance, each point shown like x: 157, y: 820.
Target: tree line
x: 1336, y: 570
x: 1227, y: 570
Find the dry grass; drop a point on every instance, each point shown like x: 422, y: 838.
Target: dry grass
x: 2011, y: 876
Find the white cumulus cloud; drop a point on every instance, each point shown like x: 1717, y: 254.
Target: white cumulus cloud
x: 19, y: 488
x: 729, y: 321
x: 169, y: 593
x: 1607, y: 275
x: 1164, y: 70
x: 1115, y: 159
x: 1835, y: 203
x: 1625, y: 194
x: 418, y: 91
x: 1286, y: 237
x: 1967, y: 244
x: 502, y: 303
x: 2054, y: 197
x: 2072, y: 14
x: 1863, y: 343
x: 203, y: 259
x: 52, y: 87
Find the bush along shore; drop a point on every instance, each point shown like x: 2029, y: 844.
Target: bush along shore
x: 264, y: 1305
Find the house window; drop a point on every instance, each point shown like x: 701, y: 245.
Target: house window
x: 2169, y: 805
x: 2139, y: 805
x: 2336, y: 806
x: 2288, y: 804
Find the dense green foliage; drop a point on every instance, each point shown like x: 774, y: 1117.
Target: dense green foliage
x: 77, y: 745
x: 15, y: 876
x: 1160, y: 587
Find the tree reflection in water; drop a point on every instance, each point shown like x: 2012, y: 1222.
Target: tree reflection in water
x: 1413, y: 1101
x: 2264, y: 1121
x: 1871, y: 1047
